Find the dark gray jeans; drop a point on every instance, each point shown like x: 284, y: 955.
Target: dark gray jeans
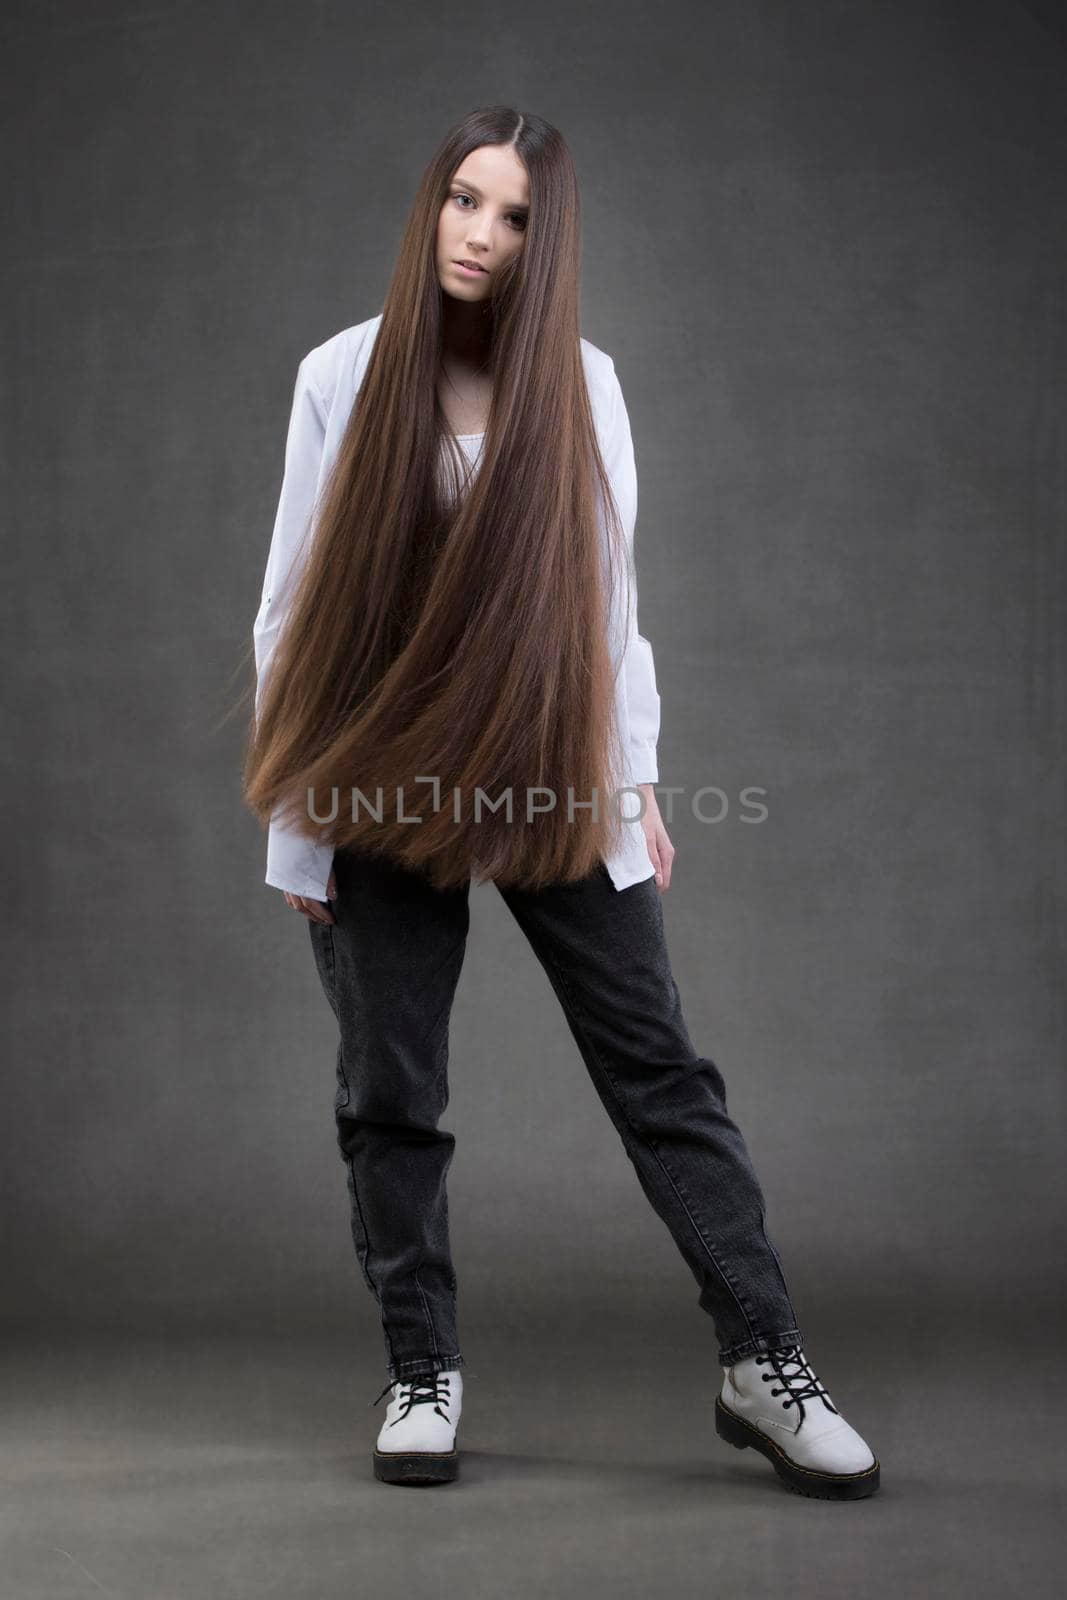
x: 389, y: 968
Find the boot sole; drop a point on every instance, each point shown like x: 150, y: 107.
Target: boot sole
x: 415, y: 1468
x: 802, y: 1480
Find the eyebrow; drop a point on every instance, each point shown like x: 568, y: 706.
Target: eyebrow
x: 464, y: 183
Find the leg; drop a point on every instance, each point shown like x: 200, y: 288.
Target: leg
x: 389, y: 968
x: 605, y: 955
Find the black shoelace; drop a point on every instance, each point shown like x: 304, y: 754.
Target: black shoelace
x: 421, y: 1391
x: 800, y: 1385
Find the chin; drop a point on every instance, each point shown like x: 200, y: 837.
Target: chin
x: 464, y: 291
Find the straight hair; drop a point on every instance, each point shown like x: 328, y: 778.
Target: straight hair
x: 458, y: 630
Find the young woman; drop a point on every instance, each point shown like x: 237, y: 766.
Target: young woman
x: 458, y: 689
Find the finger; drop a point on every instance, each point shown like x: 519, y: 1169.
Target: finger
x: 318, y: 911
x: 666, y: 856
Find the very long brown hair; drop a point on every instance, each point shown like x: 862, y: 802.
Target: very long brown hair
x: 460, y: 635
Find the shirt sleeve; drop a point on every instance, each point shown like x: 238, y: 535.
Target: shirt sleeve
x: 294, y: 862
x: 638, y: 665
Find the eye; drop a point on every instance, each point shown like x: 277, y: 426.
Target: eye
x: 516, y: 218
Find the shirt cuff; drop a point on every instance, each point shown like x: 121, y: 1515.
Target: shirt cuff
x: 644, y: 767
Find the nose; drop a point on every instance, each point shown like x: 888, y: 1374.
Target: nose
x: 481, y: 239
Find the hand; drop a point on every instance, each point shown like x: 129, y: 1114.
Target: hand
x: 315, y: 910
x: 660, y: 849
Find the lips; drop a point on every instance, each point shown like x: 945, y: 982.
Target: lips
x: 473, y: 266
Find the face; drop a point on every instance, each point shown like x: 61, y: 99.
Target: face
x: 482, y: 220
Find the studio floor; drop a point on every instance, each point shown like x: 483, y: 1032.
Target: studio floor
x: 204, y: 1467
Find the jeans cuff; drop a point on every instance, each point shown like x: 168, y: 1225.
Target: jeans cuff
x: 759, y: 1344
x: 422, y: 1366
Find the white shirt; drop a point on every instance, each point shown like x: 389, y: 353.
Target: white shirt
x: 327, y: 383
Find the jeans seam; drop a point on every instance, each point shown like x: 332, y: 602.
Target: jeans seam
x: 426, y: 1312
x: 636, y: 1132
x: 375, y: 1288
x: 332, y: 965
x: 777, y: 1258
x: 329, y: 969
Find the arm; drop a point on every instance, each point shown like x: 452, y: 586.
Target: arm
x: 294, y: 863
x: 638, y: 665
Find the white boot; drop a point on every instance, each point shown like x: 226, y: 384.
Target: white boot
x: 776, y: 1404
x: 417, y: 1440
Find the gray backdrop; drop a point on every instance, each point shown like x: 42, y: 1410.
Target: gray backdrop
x: 824, y: 245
